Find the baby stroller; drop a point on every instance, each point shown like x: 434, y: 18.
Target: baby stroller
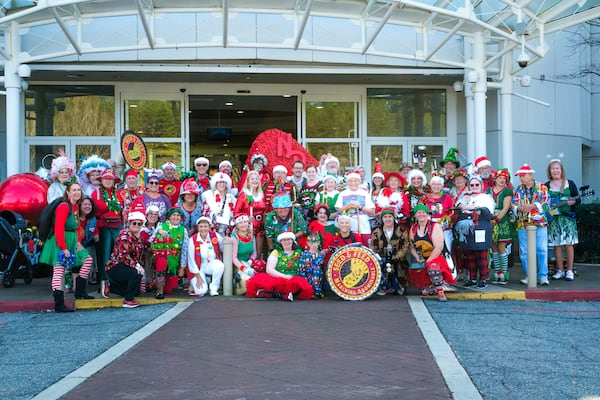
x: 14, y: 262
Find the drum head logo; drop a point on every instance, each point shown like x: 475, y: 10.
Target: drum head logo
x: 134, y: 150
x: 354, y: 273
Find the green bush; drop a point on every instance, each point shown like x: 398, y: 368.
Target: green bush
x: 588, y: 223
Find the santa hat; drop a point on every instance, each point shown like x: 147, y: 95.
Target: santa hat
x: 225, y: 163
x: 482, y: 162
x: 377, y: 166
x: 220, y: 177
x: 331, y: 158
x: 242, y: 218
x: 108, y: 174
x: 201, y: 160
x: 280, y: 168
x: 353, y: 174
x: 416, y: 172
x: 131, y: 172
x: 189, y: 186
x: 525, y: 169
x: 503, y: 172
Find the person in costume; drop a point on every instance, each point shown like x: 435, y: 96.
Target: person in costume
x: 357, y: 203
x: 308, y: 196
x: 251, y: 202
x: 330, y: 165
x: 89, y: 232
x: 204, y: 258
x: 130, y: 192
x: 284, y: 218
x: 281, y: 278
x: 110, y: 220
x: 61, y: 172
x: 530, y: 203
x: 502, y: 233
x: 459, y: 188
x: 169, y: 185
x: 152, y: 196
x: 390, y: 242
x: 474, y: 231
x: 279, y: 184
x: 89, y: 173
x: 312, y: 264
x: 417, y: 186
x: 483, y: 167
x: 243, y: 251
x: 562, y: 230
x: 148, y: 233
x: 170, y: 249
x: 320, y: 226
x: 126, y: 265
x: 63, y: 249
x: 441, y: 206
x: 298, y: 176
x: 201, y: 165
x: 218, y: 203
x: 449, y: 164
x: 329, y: 195
x: 427, y: 246
x: 257, y: 163
x: 188, y: 203
x: 393, y: 195
x: 226, y: 167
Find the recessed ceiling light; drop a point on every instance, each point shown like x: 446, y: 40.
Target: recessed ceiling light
x: 240, y: 111
x: 229, y: 103
x: 133, y: 105
x: 287, y: 96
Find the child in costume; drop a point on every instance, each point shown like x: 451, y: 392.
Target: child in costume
x: 311, y: 265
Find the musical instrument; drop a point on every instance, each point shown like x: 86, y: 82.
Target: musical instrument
x: 354, y: 272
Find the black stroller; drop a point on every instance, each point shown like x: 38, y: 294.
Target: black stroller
x: 14, y: 262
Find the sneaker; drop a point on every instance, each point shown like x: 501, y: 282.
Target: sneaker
x: 469, y: 283
x: 482, y: 284
x: 524, y: 281
x: 159, y: 296
x: 130, y: 304
x: 544, y: 281
x: 105, y: 289
x: 264, y: 294
x: 559, y: 275
x: 288, y: 297
x: 502, y: 280
x: 570, y: 276
x: 214, y: 293
x: 383, y: 291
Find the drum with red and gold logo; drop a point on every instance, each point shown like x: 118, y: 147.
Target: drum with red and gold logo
x: 353, y: 272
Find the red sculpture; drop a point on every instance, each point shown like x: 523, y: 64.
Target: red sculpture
x: 24, y: 194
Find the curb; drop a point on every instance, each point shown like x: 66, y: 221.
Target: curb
x: 118, y: 303
x: 563, y: 295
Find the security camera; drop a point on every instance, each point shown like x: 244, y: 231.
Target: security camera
x: 303, y: 91
x: 182, y: 90
x: 523, y: 59
x: 24, y: 71
x: 526, y: 81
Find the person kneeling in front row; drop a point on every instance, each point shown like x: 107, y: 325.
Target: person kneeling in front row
x: 204, y: 253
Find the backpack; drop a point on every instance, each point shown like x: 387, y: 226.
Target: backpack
x: 46, y: 225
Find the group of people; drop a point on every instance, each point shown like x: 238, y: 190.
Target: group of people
x: 153, y: 231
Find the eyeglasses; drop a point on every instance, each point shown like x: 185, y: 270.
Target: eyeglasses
x: 474, y: 184
x: 202, y: 165
x: 153, y: 183
x: 63, y: 171
x: 136, y: 223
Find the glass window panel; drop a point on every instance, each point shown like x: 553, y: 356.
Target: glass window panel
x: 427, y: 157
x: 342, y: 151
x: 160, y: 153
x: 42, y: 156
x: 390, y: 157
x: 70, y: 111
x: 154, y: 118
x: 330, y: 119
x: 85, y: 150
x: 406, y: 112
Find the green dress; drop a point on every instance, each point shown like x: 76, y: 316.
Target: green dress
x: 562, y: 229
x: 245, y: 249
x: 503, y: 230
x: 50, y: 251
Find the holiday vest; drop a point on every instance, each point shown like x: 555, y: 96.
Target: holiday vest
x: 214, y: 240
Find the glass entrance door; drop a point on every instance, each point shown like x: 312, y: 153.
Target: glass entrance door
x: 394, y: 152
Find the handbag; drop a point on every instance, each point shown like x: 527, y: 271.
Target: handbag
x: 417, y: 265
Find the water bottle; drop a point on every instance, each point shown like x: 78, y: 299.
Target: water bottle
x: 68, y: 279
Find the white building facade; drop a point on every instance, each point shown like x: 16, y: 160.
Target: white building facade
x: 358, y: 78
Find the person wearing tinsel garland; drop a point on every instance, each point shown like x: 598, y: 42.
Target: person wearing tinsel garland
x: 218, y: 203
x: 281, y: 279
x: 243, y: 251
x: 61, y: 172
x: 279, y: 184
x: 63, y: 248
x: 204, y: 258
x: 251, y: 202
x: 201, y: 165
x: 284, y: 218
x: 109, y: 221
x: 89, y: 173
x: 441, y: 206
x: 170, y: 249
x: 390, y: 242
x: 188, y: 203
x: 130, y: 192
x: 329, y: 195
x: 169, y: 185
x: 417, y: 186
x: 312, y: 264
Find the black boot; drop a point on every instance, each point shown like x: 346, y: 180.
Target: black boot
x: 59, y: 302
x: 80, y: 292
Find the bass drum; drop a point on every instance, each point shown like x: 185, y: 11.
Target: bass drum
x: 353, y: 272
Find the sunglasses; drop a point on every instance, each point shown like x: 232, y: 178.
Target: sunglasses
x: 201, y: 165
x: 136, y: 223
x: 153, y: 183
x: 474, y: 184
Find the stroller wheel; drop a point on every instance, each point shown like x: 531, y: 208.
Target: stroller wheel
x: 8, y: 279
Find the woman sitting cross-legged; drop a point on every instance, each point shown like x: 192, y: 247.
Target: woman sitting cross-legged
x: 281, y: 279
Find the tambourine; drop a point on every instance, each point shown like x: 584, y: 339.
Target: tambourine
x: 353, y: 272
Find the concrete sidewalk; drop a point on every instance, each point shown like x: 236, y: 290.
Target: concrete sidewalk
x: 585, y: 287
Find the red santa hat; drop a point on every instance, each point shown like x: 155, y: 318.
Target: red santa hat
x: 525, y: 169
x: 482, y: 161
